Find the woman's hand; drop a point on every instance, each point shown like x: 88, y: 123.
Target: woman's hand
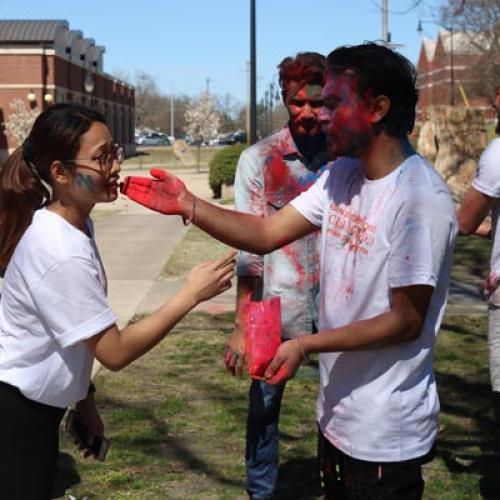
x: 208, y: 279
x: 89, y: 415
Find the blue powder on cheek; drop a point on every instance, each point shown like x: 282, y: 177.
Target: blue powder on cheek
x: 85, y: 181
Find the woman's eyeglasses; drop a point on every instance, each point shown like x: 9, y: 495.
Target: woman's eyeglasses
x: 106, y: 160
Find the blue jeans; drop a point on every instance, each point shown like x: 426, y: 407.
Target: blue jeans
x: 262, y: 444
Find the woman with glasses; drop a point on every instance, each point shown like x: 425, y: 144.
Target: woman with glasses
x: 54, y: 316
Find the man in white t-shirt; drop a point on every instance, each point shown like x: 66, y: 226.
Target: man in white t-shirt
x: 482, y: 199
x: 388, y: 228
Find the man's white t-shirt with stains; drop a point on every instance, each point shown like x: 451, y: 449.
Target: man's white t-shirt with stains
x: 487, y: 181
x: 380, y: 404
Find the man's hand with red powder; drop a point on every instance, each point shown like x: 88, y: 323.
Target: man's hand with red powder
x: 164, y: 192
x: 285, y: 364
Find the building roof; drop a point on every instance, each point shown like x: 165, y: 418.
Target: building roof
x: 430, y: 48
x: 30, y: 31
x: 462, y: 41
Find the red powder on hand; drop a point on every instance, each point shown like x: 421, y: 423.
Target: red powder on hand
x: 262, y: 326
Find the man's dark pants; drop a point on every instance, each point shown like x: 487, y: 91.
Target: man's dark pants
x: 347, y: 478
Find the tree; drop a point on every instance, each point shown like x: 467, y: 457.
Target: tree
x: 180, y: 103
x: 20, y: 120
x: 202, y: 121
x: 479, y: 20
x: 230, y: 113
x: 149, y: 104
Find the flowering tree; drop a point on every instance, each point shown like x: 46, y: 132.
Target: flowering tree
x: 202, y: 121
x: 20, y: 120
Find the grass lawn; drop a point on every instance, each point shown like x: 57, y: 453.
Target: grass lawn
x: 195, y: 247
x: 147, y: 157
x: 176, y: 422
x: 471, y: 259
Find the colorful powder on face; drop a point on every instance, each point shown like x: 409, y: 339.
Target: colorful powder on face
x: 346, y: 118
x: 313, y: 91
x: 85, y: 181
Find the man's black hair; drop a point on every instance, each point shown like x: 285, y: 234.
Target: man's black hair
x: 381, y: 71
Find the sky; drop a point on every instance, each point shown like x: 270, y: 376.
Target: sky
x: 182, y: 43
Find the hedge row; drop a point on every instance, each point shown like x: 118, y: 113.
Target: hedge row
x: 223, y: 167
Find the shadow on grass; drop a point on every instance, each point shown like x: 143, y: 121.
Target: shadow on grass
x: 138, y: 153
x: 471, y: 257
x: 469, y: 441
x: 299, y: 479
x: 158, y: 442
x: 460, y: 330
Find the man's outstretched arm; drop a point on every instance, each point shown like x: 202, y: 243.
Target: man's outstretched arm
x: 167, y: 194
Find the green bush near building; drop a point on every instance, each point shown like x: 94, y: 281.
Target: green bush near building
x: 223, y: 168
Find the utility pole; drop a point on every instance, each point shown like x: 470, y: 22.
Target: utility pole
x: 172, y: 115
x: 253, y: 78
x: 385, y: 23
x: 208, y: 85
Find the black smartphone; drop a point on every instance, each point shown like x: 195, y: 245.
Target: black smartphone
x: 78, y: 431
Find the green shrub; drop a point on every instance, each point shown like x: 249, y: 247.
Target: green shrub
x: 223, y: 167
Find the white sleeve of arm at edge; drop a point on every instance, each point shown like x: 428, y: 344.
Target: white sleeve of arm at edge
x: 487, y: 179
x: 312, y: 203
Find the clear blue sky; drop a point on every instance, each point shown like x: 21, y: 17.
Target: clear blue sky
x: 183, y: 42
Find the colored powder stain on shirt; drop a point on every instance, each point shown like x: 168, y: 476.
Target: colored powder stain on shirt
x: 278, y: 178
x: 269, y: 175
x: 299, y: 268
x: 277, y: 173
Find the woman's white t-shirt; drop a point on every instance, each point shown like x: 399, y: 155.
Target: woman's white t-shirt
x: 53, y: 298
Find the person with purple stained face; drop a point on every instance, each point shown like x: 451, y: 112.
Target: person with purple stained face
x: 54, y: 315
x: 388, y: 229
x: 481, y: 200
x: 269, y: 174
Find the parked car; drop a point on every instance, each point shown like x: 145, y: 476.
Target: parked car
x: 156, y: 139
x: 139, y: 138
x: 238, y: 137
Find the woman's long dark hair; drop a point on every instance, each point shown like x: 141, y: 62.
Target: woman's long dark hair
x: 55, y: 136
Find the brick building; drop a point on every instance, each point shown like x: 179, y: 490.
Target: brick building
x: 43, y: 62
x: 443, y: 73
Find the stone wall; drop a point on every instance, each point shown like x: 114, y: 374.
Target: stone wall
x: 453, y: 138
